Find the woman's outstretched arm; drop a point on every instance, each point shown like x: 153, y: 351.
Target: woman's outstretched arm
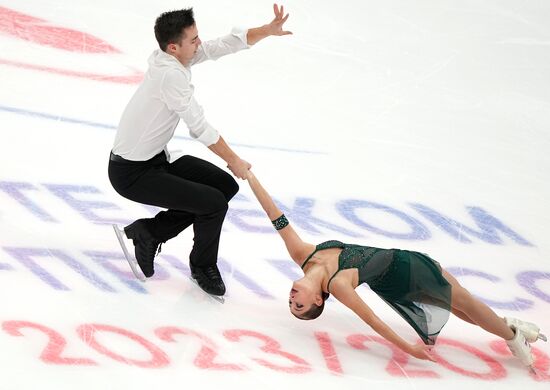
x: 345, y: 293
x: 297, y: 249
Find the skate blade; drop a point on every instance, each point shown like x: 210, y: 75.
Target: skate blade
x: 134, y: 266
x: 217, y: 298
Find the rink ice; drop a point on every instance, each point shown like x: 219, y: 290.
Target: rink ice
x: 413, y: 125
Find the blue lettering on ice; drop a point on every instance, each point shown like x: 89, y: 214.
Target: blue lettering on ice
x: 528, y: 281
x: 176, y: 264
x: 347, y: 208
x: 84, y: 207
x: 227, y: 268
x: 15, y: 190
x: 300, y: 214
x: 286, y: 267
x: 489, y: 226
x: 517, y: 304
x: 105, y: 259
x: 239, y: 217
x: 5, y: 267
x: 26, y: 257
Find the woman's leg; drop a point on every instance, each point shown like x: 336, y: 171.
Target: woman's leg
x: 462, y: 316
x: 476, y: 311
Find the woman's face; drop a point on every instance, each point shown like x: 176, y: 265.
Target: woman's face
x: 300, y: 299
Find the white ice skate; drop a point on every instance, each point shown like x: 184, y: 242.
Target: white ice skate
x: 120, y: 235
x: 530, y: 331
x: 521, y: 349
x: 217, y: 298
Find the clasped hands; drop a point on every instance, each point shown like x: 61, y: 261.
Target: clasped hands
x: 239, y: 168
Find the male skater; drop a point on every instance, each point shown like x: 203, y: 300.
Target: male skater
x: 192, y: 190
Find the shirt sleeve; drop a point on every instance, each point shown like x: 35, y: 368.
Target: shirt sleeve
x: 228, y: 44
x: 177, y: 93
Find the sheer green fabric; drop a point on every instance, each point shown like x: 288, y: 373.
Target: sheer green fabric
x: 410, y: 282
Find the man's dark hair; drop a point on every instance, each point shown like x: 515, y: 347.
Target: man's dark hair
x: 169, y: 26
x: 314, y: 311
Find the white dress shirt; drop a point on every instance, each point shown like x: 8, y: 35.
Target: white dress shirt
x: 166, y: 95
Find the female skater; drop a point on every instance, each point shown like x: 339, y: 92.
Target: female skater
x: 412, y: 283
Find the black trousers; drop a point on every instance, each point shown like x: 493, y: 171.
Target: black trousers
x: 192, y: 190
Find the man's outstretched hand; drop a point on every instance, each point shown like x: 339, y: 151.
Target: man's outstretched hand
x: 276, y: 25
x: 275, y: 28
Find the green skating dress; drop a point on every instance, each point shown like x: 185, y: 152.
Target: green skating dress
x: 410, y: 282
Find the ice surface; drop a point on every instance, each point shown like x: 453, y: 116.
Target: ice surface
x: 409, y: 124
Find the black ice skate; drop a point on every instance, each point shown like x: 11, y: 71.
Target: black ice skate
x: 210, y: 281
x: 134, y: 266
x: 146, y: 247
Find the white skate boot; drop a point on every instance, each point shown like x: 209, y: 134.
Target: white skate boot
x: 521, y: 349
x: 530, y: 331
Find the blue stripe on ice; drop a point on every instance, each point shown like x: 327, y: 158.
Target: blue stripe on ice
x: 58, y: 118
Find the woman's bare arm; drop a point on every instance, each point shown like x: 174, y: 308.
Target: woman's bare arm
x: 346, y: 294
x: 297, y: 249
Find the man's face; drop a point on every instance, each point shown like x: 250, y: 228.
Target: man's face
x: 186, y: 49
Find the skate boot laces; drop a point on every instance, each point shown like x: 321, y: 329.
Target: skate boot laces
x: 212, y: 272
x: 209, y: 279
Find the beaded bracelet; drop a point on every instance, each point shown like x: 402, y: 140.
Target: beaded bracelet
x: 280, y: 222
